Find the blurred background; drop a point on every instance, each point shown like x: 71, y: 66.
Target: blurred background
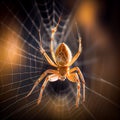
x: 21, y: 62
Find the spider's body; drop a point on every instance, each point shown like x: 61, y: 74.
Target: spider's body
x: 63, y: 70
x: 63, y: 56
x: 62, y: 61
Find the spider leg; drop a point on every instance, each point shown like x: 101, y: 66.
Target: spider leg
x: 51, y: 78
x: 82, y: 79
x: 44, y: 52
x: 51, y: 48
x: 39, y: 80
x: 46, y: 56
x: 73, y: 77
x: 53, y: 30
x: 77, y: 54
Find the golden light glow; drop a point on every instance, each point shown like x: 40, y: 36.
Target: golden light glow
x: 58, y: 107
x: 12, y: 51
x: 86, y: 13
x: 10, y: 46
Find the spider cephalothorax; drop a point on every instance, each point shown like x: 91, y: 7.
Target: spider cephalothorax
x: 62, y: 61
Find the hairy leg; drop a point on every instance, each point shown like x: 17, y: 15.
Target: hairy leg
x: 81, y: 77
x: 46, y: 56
x: 51, y: 78
x: 73, y: 77
x: 39, y: 80
x: 53, y: 30
x: 44, y: 52
x: 51, y: 45
x: 77, y: 54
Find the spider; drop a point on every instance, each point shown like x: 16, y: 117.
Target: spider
x: 62, y: 60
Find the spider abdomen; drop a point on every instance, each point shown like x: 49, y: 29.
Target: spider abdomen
x: 63, y: 54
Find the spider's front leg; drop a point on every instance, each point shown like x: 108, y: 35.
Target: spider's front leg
x: 53, y: 31
x: 77, y: 54
x: 44, y: 53
x: 46, y: 56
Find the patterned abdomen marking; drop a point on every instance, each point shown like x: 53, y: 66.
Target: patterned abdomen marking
x: 63, y: 54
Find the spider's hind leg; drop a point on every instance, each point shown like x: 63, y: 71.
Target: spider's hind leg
x: 51, y: 78
x: 40, y: 78
x: 73, y: 77
x: 81, y: 77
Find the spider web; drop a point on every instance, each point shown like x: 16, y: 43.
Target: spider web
x: 17, y: 78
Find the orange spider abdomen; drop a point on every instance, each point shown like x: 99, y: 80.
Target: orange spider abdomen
x: 63, y: 54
